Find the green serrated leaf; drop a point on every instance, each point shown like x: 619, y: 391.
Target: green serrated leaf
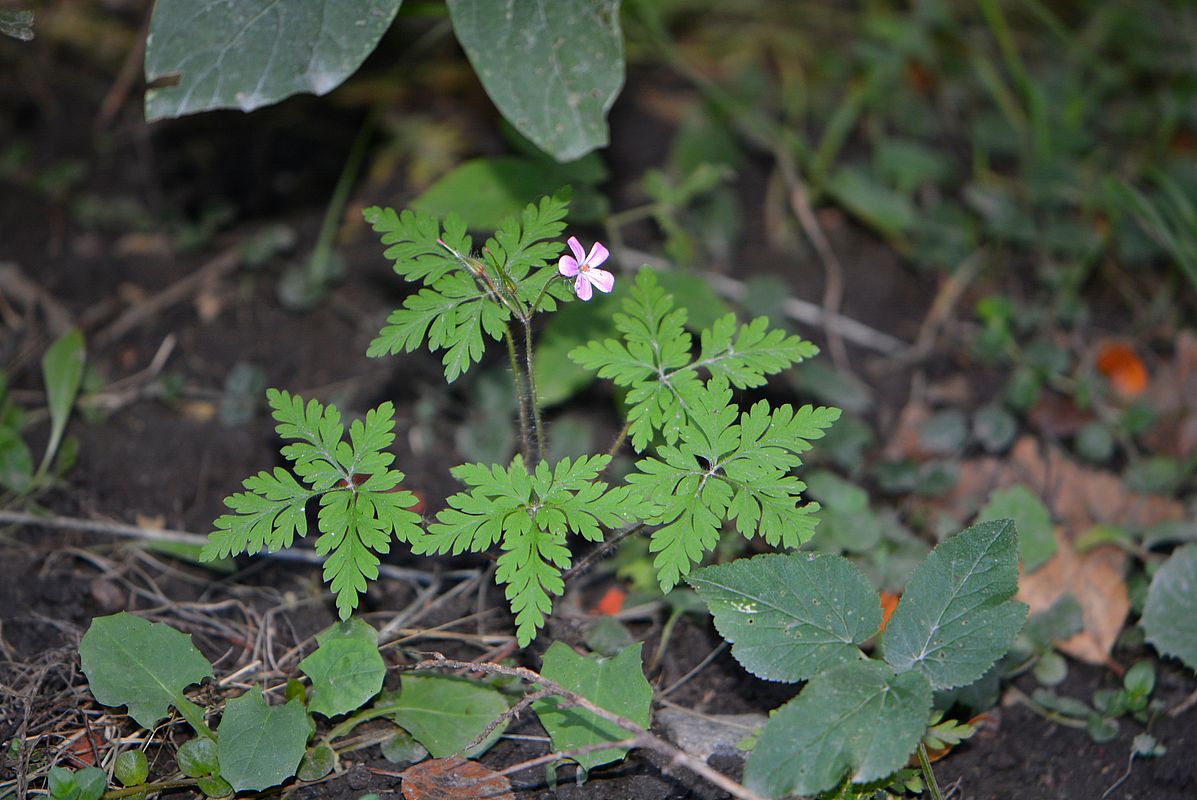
x: 1032, y: 520
x: 859, y: 720
x: 464, y: 299
x: 62, y: 370
x: 553, y: 69
x: 255, y: 52
x: 616, y: 684
x: 956, y: 618
x: 445, y: 713
x: 346, y: 668
x: 1170, y: 615
x: 361, y: 509
x: 530, y: 515
x: 259, y: 745
x: 146, y: 666
x: 728, y: 470
x: 790, y: 617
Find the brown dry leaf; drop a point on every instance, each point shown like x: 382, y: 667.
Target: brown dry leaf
x: 1079, y: 497
x: 208, y: 305
x: 198, y: 410
x: 454, y: 778
x: 149, y: 245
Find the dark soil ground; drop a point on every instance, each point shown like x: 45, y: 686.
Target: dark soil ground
x: 171, y: 461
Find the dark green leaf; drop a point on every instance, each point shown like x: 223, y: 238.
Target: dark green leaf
x: 445, y: 713
x: 132, y: 768
x: 553, y: 69
x: 259, y: 745
x: 858, y: 720
x: 253, y: 53
x: 62, y: 369
x: 17, y: 23
x: 1032, y: 520
x: 616, y: 684
x: 316, y: 763
x: 956, y: 617
x: 346, y: 669
x: 1170, y: 616
x: 790, y: 617
x: 145, y: 666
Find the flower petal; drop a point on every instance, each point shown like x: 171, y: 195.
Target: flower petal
x: 598, y: 254
x: 601, y: 279
x: 567, y: 266
x: 582, y: 287
x: 576, y: 247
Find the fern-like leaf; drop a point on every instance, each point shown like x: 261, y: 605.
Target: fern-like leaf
x: 463, y: 299
x: 654, y: 360
x: 361, y: 507
x: 728, y: 467
x: 530, y: 515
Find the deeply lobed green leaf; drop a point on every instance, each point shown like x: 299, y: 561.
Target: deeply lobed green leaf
x: 530, y: 515
x: 728, y: 466
x: 654, y: 360
x: 360, y: 506
x: 463, y: 300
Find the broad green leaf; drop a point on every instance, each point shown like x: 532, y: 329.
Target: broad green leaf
x: 145, y: 666
x: 1170, y: 616
x: 259, y: 745
x: 616, y: 684
x: 17, y: 23
x: 858, y: 720
x: 132, y: 767
x: 876, y: 205
x: 790, y: 617
x: 16, y: 462
x: 1032, y: 520
x: 316, y: 763
x: 252, y: 53
x: 62, y: 369
x: 198, y: 757
x: 445, y: 713
x: 956, y: 618
x: 485, y: 191
x: 92, y: 782
x: 346, y: 669
x: 552, y: 68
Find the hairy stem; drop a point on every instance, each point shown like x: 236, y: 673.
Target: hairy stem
x: 929, y: 773
x: 521, y: 396
x: 533, y: 402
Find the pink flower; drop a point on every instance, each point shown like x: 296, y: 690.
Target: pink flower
x: 586, y: 268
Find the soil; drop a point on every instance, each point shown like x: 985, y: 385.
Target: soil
x: 170, y: 461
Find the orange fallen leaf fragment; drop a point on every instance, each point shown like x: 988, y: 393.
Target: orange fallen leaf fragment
x: 889, y: 604
x: 611, y: 602
x: 454, y: 778
x: 1123, y: 368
